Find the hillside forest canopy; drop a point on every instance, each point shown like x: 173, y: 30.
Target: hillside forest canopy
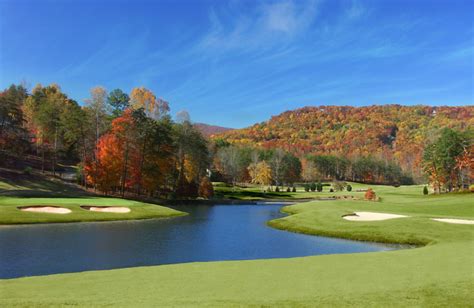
x: 129, y: 144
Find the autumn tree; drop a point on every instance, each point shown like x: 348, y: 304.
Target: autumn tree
x: 206, y: 190
x: 370, y: 195
x: 98, y: 110
x: 277, y: 165
x: 261, y: 173
x: 231, y: 163
x: 192, y: 158
x: 111, y: 167
x: 309, y: 171
x: 154, y: 152
x: 153, y: 107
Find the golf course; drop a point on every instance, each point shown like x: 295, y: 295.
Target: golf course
x: 206, y: 153
x: 438, y: 272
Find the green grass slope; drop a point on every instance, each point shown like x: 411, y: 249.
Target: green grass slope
x: 17, y: 190
x: 440, y: 274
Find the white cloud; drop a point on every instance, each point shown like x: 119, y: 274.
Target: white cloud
x: 266, y: 25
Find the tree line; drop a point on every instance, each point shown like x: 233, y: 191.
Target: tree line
x: 122, y: 143
x: 129, y: 144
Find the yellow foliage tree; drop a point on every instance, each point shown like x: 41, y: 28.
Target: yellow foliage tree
x: 154, y: 107
x: 261, y: 173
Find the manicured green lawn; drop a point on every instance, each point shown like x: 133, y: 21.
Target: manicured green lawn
x: 256, y: 192
x: 438, y: 274
x: 10, y: 214
x: 37, y: 190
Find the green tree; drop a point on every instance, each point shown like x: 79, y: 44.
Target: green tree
x: 13, y: 136
x: 44, y: 108
x: 441, y: 158
x: 291, y: 170
x: 118, y: 101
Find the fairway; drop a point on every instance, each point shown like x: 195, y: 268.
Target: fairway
x: 438, y: 274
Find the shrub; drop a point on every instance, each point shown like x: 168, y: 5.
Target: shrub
x: 370, y: 195
x: 331, y: 189
x: 288, y: 189
x: 27, y: 170
x: 471, y: 188
x: 306, y: 187
x: 313, y: 186
x: 277, y: 189
x: 349, y: 187
x: 425, y: 190
x: 320, y: 187
x: 294, y: 189
x: 339, y: 186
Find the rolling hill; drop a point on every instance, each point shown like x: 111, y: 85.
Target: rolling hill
x: 391, y: 132
x: 209, y: 130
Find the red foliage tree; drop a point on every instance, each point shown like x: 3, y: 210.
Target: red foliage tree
x: 370, y: 195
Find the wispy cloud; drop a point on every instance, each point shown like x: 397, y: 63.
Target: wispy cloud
x: 264, y: 26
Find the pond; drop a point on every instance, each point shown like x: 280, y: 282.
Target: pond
x: 209, y: 233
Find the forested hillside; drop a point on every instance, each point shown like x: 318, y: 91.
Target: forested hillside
x: 390, y: 132
x: 209, y: 130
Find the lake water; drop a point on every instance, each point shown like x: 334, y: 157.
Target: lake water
x: 209, y: 233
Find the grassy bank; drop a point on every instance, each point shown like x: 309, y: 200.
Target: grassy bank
x: 257, y: 192
x: 438, y: 274
x: 10, y: 214
x: 19, y: 190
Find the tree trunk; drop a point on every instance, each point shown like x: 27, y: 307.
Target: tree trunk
x: 142, y: 162
x: 124, y: 170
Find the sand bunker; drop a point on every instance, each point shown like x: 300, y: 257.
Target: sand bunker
x: 45, y: 209
x: 370, y: 216
x: 107, y: 209
x: 455, y: 221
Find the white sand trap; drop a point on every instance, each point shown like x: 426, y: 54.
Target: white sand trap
x: 107, y: 209
x: 370, y: 216
x: 455, y: 221
x: 46, y: 209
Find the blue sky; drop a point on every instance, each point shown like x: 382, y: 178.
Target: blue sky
x: 234, y: 63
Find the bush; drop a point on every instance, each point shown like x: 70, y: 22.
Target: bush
x: 306, y: 187
x: 288, y: 189
x: 294, y: 189
x: 277, y: 189
x: 370, y: 195
x: 320, y: 187
x: 425, y: 190
x: 471, y: 188
x: 331, y: 190
x: 349, y: 187
x: 313, y: 186
x: 339, y: 186
x: 27, y: 170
